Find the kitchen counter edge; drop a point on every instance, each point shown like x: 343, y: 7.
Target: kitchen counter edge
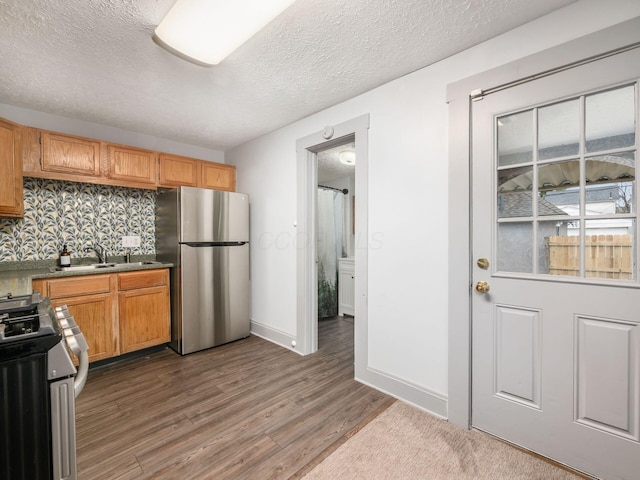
x: 18, y: 282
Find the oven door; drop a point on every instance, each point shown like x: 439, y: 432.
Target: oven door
x: 63, y: 430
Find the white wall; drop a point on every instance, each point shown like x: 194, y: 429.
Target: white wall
x: 72, y: 126
x: 408, y: 216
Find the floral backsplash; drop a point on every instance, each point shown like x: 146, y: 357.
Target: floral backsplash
x: 79, y: 215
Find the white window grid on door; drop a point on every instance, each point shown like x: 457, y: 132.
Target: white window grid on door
x: 582, y: 217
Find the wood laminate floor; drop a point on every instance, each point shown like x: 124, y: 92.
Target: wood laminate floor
x: 246, y: 410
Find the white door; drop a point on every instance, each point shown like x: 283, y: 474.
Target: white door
x: 556, y: 339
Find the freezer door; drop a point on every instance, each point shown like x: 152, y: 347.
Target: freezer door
x: 215, y: 296
x: 213, y: 216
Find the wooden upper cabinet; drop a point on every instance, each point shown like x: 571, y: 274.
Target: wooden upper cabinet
x: 67, y: 154
x: 218, y: 176
x: 132, y: 164
x: 66, y: 157
x: 178, y: 171
x: 11, y: 197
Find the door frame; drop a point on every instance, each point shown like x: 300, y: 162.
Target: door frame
x: 460, y: 96
x: 307, y: 149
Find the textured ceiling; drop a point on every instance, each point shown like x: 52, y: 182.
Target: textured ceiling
x: 329, y: 165
x: 95, y: 60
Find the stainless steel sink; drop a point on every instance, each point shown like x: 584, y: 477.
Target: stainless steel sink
x: 82, y: 268
x: 98, y: 266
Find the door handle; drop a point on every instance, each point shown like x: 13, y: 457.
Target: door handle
x: 482, y: 287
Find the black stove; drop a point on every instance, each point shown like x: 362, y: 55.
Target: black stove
x: 37, y: 418
x: 27, y: 326
x: 24, y: 317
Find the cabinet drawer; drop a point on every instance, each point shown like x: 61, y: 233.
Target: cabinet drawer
x: 143, y: 279
x: 75, y: 286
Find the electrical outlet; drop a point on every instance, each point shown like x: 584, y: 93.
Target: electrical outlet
x: 131, y: 241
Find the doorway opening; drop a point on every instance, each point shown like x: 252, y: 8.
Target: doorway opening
x: 336, y: 231
x: 310, y: 152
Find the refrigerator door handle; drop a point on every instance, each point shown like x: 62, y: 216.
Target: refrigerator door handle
x: 213, y: 244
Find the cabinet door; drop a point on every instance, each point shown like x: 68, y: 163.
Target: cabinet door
x: 11, y: 198
x: 346, y: 292
x: 132, y: 165
x: 218, y: 176
x: 178, y: 171
x: 97, y: 320
x: 73, y: 155
x: 144, y: 318
x: 91, y: 302
x: 144, y: 309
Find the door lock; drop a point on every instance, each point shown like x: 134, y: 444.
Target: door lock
x: 483, y: 263
x: 482, y: 287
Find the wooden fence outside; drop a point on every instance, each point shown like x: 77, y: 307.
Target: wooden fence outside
x: 606, y: 256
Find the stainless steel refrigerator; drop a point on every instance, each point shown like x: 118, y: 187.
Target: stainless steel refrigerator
x: 205, y: 234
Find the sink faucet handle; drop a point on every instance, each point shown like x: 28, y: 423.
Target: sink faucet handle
x: 101, y: 251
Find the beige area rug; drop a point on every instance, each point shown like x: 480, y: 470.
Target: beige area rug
x: 406, y: 443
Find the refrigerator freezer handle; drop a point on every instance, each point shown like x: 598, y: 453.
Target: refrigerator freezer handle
x: 213, y: 244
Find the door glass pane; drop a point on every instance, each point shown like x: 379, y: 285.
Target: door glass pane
x: 588, y: 198
x: 559, y: 130
x: 559, y: 248
x: 609, y: 247
x: 515, y: 247
x: 559, y: 188
x: 610, y: 184
x: 515, y: 138
x: 610, y: 119
x: 515, y: 197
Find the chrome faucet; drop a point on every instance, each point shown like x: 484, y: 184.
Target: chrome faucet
x: 102, y: 253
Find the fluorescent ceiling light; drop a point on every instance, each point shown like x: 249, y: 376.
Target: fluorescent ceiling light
x: 206, y: 31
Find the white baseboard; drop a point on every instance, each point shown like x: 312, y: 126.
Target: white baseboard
x: 273, y: 335
x: 424, y: 399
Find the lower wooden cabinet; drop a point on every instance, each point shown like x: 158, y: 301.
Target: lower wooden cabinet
x: 94, y: 315
x: 144, y: 310
x: 117, y: 313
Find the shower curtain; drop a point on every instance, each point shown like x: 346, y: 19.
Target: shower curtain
x: 330, y: 248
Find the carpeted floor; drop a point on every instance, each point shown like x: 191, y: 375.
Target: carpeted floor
x: 406, y: 443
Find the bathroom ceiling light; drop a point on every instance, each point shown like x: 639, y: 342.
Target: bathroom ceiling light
x: 348, y: 157
x: 206, y: 31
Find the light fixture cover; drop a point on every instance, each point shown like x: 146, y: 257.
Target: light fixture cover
x: 206, y: 31
x: 348, y: 157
